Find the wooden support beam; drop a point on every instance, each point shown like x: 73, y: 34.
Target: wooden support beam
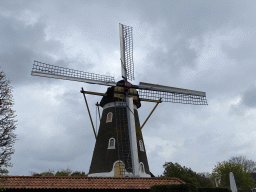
x: 151, y: 113
x: 98, y: 109
x: 93, y: 93
x: 103, y: 94
x: 149, y: 100
x: 82, y: 91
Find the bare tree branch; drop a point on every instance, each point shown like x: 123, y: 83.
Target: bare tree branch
x: 7, y: 126
x: 248, y: 165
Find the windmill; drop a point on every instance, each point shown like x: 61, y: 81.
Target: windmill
x: 119, y: 149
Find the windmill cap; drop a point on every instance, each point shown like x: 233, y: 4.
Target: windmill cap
x: 111, y: 93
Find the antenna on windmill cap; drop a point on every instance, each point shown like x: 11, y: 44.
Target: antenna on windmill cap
x: 126, y: 52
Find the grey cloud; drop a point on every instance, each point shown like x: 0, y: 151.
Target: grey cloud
x: 248, y: 101
x: 249, y: 97
x: 23, y: 44
x: 162, y: 31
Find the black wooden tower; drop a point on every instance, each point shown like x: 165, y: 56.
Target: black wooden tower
x: 119, y: 149
x: 112, y: 155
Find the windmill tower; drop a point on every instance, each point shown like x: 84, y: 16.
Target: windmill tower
x: 119, y: 149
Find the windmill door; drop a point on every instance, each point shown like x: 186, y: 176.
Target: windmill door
x: 119, y: 169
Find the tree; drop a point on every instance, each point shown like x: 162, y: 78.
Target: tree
x: 242, y: 178
x: 66, y: 172
x: 7, y: 126
x: 204, y: 180
x: 186, y: 175
x: 78, y: 173
x: 48, y: 173
x: 248, y: 165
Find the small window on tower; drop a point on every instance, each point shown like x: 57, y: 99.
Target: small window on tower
x: 141, y: 145
x: 109, y: 117
x: 111, y: 143
x: 141, y: 167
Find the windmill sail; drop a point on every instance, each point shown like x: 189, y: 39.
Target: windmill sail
x: 51, y: 71
x: 171, y: 94
x: 126, y: 51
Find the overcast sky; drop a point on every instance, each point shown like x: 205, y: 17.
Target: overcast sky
x: 200, y: 45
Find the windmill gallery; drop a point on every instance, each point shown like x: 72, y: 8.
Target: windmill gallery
x: 119, y: 149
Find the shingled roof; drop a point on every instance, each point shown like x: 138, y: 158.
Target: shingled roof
x: 83, y: 182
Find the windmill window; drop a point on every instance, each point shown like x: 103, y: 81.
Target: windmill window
x: 141, y: 145
x: 142, y: 168
x: 109, y: 117
x: 111, y: 143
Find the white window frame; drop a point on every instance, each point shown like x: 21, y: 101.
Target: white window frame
x: 142, y: 167
x: 141, y: 145
x: 111, y: 147
x: 107, y: 121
